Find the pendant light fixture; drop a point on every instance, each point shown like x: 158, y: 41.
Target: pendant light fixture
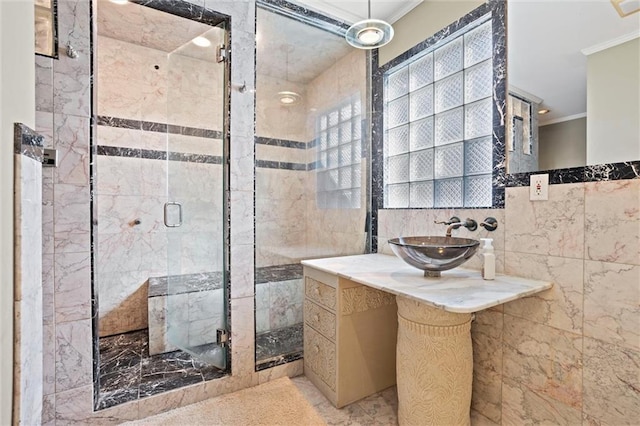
x: 370, y: 33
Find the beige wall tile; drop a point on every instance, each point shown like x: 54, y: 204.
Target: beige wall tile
x: 523, y: 406
x: 611, y: 383
x: 560, y: 306
x: 612, y: 221
x: 554, y: 227
x: 486, y: 332
x: 612, y: 303
x: 544, y: 359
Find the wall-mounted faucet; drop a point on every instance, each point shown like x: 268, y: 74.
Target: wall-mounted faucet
x: 490, y: 224
x: 455, y: 223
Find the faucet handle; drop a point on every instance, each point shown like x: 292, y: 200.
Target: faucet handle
x: 490, y: 224
x: 453, y: 219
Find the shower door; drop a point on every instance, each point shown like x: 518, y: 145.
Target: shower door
x: 195, y: 213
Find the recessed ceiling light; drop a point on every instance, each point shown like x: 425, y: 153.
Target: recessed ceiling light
x: 543, y: 111
x: 201, y: 41
x: 288, y: 98
x: 119, y: 1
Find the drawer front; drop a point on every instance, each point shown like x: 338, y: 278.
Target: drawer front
x: 320, y: 356
x: 320, y: 293
x: 320, y: 319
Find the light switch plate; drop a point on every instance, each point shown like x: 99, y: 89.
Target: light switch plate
x: 539, y: 187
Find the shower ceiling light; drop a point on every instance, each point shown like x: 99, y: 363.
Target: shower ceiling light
x: 288, y: 98
x: 626, y: 7
x: 119, y: 1
x: 201, y: 41
x: 370, y: 33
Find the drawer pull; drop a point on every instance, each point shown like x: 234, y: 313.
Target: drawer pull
x: 316, y: 291
x: 316, y: 318
x: 316, y: 348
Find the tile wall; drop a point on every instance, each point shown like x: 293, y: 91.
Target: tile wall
x: 63, y: 116
x: 132, y: 178
x: 570, y: 355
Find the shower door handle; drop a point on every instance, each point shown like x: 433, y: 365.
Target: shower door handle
x: 167, y: 207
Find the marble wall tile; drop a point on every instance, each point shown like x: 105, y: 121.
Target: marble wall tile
x: 48, y: 275
x: 611, y: 383
x: 612, y: 303
x: 544, y: 359
x: 241, y: 163
x: 49, y: 410
x: 74, y: 357
x: 72, y: 287
x: 71, y: 77
x: 49, y: 359
x: 242, y: 217
x: 275, y: 184
x: 71, y: 217
x: 75, y: 406
x: 119, y: 213
x: 612, y: 215
x: 281, y: 154
x: 242, y: 270
x: 44, y: 84
x: 486, y: 332
x: 554, y: 227
x: 166, y: 401
x: 521, y: 405
x: 478, y: 419
x: 242, y: 336
x: 71, y: 140
x: 561, y: 306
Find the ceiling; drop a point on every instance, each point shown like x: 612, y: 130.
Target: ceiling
x: 356, y: 10
x: 144, y: 26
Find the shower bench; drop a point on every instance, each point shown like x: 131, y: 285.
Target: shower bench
x: 196, y: 306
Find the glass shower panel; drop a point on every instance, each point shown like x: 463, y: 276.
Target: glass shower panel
x: 196, y: 209
x: 311, y: 176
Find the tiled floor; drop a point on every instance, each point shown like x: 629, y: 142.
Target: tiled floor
x: 378, y: 409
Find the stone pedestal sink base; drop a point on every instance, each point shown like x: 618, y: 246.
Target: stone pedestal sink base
x: 434, y: 365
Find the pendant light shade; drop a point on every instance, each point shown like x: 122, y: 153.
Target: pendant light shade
x: 370, y: 33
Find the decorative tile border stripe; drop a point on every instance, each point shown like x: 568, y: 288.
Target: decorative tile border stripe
x: 149, y: 154
x: 283, y: 143
x: 283, y: 359
x: 27, y: 142
x: 269, y: 274
x: 596, y: 173
x: 153, y: 126
x: 265, y: 164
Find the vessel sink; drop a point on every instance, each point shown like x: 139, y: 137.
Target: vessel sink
x: 434, y: 254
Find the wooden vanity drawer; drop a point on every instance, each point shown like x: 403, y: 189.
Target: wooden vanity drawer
x: 320, y: 356
x: 320, y: 293
x: 320, y: 319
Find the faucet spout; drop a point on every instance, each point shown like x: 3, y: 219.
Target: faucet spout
x: 470, y: 224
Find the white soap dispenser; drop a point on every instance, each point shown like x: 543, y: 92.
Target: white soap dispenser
x: 488, y: 259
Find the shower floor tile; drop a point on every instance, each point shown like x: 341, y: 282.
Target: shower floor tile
x: 127, y: 372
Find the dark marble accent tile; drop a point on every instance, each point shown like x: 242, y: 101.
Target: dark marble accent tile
x: 274, y: 344
x: 186, y: 10
x: 151, y: 154
x: 280, y: 360
x: 173, y: 129
x: 267, y: 164
x: 313, y: 165
x: 117, y: 151
x: 188, y: 283
x: 557, y: 176
x: 284, y: 143
x: 307, y: 16
x: 28, y: 142
x: 152, y: 126
x: 270, y: 274
x: 123, y: 123
x: 112, y: 398
x: 212, y: 134
x: 195, y: 158
x: 612, y: 171
x: 163, y: 372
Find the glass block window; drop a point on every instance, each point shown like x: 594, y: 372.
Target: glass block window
x: 438, y: 123
x: 339, y: 155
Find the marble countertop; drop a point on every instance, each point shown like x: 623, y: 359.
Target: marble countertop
x: 458, y: 290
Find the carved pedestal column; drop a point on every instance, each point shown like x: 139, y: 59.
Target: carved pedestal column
x: 434, y: 365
